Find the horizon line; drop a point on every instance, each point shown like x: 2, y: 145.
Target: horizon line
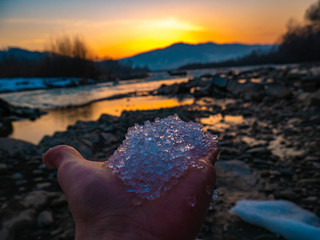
x: 5, y: 48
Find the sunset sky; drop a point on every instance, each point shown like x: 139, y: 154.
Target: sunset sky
x: 122, y: 28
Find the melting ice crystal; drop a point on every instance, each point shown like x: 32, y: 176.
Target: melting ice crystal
x: 154, y: 155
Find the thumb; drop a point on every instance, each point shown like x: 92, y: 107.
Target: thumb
x: 59, y: 155
x: 71, y: 167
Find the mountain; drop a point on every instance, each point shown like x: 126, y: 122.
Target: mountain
x: 21, y: 54
x: 180, y: 54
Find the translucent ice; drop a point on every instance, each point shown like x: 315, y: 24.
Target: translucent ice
x: 279, y: 216
x: 154, y: 155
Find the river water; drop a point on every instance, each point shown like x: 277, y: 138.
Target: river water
x: 58, y: 118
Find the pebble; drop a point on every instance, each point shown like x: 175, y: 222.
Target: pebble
x: 294, y: 176
x: 45, y: 219
x: 3, y: 167
x: 43, y: 185
x: 17, y: 175
x: 287, y: 194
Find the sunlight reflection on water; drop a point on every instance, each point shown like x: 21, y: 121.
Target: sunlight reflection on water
x: 219, y: 123
x: 60, y: 97
x: 60, y: 119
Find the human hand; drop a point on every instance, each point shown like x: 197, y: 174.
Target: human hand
x: 102, y: 207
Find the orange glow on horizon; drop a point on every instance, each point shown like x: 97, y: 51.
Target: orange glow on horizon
x: 121, y: 29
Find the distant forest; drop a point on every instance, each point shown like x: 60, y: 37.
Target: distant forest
x: 300, y: 44
x: 67, y: 57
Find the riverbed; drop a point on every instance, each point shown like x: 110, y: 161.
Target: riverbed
x: 65, y: 106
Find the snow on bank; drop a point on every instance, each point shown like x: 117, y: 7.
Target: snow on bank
x: 19, y: 84
x: 281, y: 217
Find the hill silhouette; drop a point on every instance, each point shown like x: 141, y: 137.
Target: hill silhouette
x: 181, y: 53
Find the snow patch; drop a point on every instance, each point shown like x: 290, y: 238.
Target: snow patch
x: 281, y: 217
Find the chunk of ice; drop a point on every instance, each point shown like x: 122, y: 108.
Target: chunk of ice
x: 154, y: 155
x: 281, y: 217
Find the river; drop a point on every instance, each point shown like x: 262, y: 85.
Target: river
x: 58, y: 117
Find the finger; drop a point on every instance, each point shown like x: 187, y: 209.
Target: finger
x: 59, y: 155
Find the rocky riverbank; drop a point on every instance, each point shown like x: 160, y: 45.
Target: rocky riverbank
x: 268, y: 126
x: 10, y: 113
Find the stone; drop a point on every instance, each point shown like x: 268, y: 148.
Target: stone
x: 269, y: 236
x: 253, y: 142
x: 108, y: 138
x: 315, y: 98
x: 43, y: 185
x: 60, y: 200
x: 307, y: 182
x: 248, y: 90
x: 286, y: 194
x: 22, y: 218
x: 219, y: 82
x: 310, y: 83
x: 276, y: 90
x: 258, y: 150
x: 35, y: 199
x: 14, y: 147
x: 17, y: 175
x: 5, y: 234
x: 3, y: 167
x: 235, y: 173
x: 5, y: 128
x: 45, y: 219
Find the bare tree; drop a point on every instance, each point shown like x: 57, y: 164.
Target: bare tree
x: 313, y: 13
x: 70, y: 47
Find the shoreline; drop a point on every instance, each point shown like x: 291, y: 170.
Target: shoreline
x: 277, y: 142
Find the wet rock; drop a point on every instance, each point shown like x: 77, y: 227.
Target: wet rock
x: 311, y: 159
x: 13, y: 147
x: 5, y: 128
x: 45, y: 219
x: 286, y: 194
x: 3, y: 167
x: 5, y: 109
x: 305, y: 182
x: 248, y: 90
x: 258, y: 151
x: 108, y: 138
x: 219, y: 82
x: 236, y: 174
x: 5, y: 234
x: 276, y: 90
x: 252, y: 142
x: 23, y: 218
x: 106, y: 118
x: 43, y: 185
x: 310, y: 83
x: 202, y: 91
x: 35, y: 199
x: 267, y: 237
x: 171, y: 90
x: 59, y: 201
x: 315, y: 98
x: 17, y: 175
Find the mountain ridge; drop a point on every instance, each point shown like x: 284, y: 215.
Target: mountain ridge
x: 178, y: 54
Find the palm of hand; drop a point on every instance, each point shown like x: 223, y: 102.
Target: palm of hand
x: 103, y: 209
